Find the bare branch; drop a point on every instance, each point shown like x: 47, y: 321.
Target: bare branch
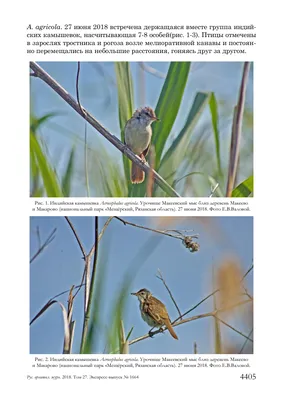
x: 165, y: 232
x: 77, y: 237
x: 248, y: 271
x: 101, y: 234
x: 77, y: 87
x: 66, y: 291
x: 231, y: 327
x: 198, y: 304
x: 159, y: 276
x: 245, y: 342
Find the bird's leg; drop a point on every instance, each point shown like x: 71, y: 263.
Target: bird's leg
x: 150, y: 333
x: 161, y: 329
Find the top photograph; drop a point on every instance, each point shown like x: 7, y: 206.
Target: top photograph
x: 141, y: 129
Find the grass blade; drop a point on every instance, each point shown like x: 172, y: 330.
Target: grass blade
x: 67, y: 177
x: 214, y: 119
x: 49, y: 178
x: 244, y: 189
x: 125, y: 102
x: 176, y: 152
x: 67, y: 336
x: 168, y: 104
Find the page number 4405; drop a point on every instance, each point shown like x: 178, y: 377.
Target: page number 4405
x: 250, y: 377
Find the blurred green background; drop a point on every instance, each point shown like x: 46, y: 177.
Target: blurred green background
x: 190, y: 146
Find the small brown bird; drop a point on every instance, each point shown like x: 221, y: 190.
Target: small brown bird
x: 138, y: 136
x: 153, y: 311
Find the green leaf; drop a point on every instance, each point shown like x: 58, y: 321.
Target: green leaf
x: 129, y: 334
x: 36, y: 122
x: 244, y: 189
x: 168, y: 105
x: 125, y: 103
x: 67, y: 177
x: 176, y: 152
x: 48, y: 176
x: 214, y: 119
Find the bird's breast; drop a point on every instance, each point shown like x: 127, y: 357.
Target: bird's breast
x: 137, y: 136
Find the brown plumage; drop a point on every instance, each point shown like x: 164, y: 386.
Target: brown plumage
x: 153, y: 311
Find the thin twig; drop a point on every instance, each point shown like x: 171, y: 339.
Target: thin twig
x: 100, y: 235
x: 50, y: 301
x: 236, y: 131
x: 111, y: 138
x: 169, y: 291
x: 90, y: 254
x: 77, y: 87
x: 66, y: 291
x: 44, y: 245
x: 231, y: 327
x: 247, y: 293
x: 248, y: 271
x: 149, y: 229
x: 207, y: 297
x: 194, y: 307
x: 76, y: 236
x: 81, y: 284
x: 245, y: 342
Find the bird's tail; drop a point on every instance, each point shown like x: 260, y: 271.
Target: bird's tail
x: 137, y: 174
x: 171, y: 330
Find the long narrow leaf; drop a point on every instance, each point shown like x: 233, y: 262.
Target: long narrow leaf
x: 125, y: 102
x: 214, y: 119
x: 65, y: 320
x: 168, y: 105
x: 217, y: 329
x: 48, y: 175
x: 67, y: 177
x: 244, y: 189
x: 176, y: 152
x: 35, y: 123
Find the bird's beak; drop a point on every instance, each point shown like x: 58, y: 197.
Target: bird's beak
x: 156, y: 119
x: 134, y: 294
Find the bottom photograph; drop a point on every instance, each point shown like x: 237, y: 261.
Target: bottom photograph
x: 141, y: 285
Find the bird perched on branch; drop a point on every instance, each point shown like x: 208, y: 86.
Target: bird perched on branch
x: 153, y: 311
x: 138, y: 134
